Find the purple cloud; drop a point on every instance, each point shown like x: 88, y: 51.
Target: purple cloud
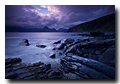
x: 61, y: 16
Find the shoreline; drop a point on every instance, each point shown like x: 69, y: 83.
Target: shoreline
x: 80, y: 57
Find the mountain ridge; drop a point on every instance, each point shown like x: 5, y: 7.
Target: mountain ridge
x: 105, y: 23
x: 44, y: 29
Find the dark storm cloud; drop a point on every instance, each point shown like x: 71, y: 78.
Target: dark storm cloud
x: 68, y: 15
x: 16, y: 13
x: 17, y: 10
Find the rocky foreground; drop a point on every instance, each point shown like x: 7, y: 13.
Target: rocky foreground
x: 92, y: 58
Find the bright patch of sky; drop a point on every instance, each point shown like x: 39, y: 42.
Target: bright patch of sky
x: 41, y: 9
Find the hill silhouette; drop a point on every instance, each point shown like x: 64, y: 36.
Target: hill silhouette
x: 105, y: 23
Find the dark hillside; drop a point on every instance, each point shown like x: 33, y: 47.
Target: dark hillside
x: 105, y: 23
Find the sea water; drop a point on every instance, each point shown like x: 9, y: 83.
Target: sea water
x: 31, y: 53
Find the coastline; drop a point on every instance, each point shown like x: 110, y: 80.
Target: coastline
x: 80, y: 57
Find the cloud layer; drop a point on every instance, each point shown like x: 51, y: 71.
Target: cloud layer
x: 62, y: 16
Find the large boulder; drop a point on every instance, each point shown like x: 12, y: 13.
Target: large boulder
x: 75, y: 50
x: 108, y: 56
x: 24, y: 42
x: 97, y: 33
x: 69, y: 40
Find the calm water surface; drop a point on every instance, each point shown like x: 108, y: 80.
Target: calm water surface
x: 31, y: 53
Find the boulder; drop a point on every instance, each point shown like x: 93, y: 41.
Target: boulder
x: 54, y: 49
x: 69, y: 40
x: 52, y: 56
x: 12, y: 60
x: 57, y: 42
x: 60, y: 46
x: 110, y: 42
x: 24, y: 42
x: 41, y: 46
x: 75, y: 50
x: 97, y: 33
x: 54, y: 73
x: 48, y: 66
x: 108, y: 56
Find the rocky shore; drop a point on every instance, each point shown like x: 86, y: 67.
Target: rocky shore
x: 92, y: 58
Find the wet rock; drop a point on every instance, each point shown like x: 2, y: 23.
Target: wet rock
x: 93, y: 44
x: 12, y: 60
x: 93, y: 51
x: 24, y: 42
x: 97, y: 44
x: 65, y: 48
x: 37, y: 64
x: 55, y: 77
x: 73, y: 76
x: 31, y: 77
x: 41, y: 46
x: 50, y: 70
x: 54, y: 49
x: 75, y: 50
x: 108, y: 56
x: 97, y: 33
x: 104, y: 49
x: 11, y: 75
x: 85, y: 55
x: 86, y: 50
x: 113, y: 35
x: 54, y: 73
x: 81, y: 40
x: 51, y: 73
x: 88, y: 45
x: 39, y: 71
x: 112, y: 63
x: 19, y: 67
x: 48, y: 66
x: 94, y: 57
x: 42, y: 77
x: 20, y: 71
x: 8, y: 66
x: 60, y: 46
x: 88, y: 72
x: 22, y: 76
x: 97, y: 52
x: 69, y: 40
x: 60, y: 53
x: 35, y: 69
x: 57, y: 42
x: 77, y: 41
x: 64, y: 68
x: 110, y: 42
x: 52, y: 56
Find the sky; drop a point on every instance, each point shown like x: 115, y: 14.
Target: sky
x: 53, y: 16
